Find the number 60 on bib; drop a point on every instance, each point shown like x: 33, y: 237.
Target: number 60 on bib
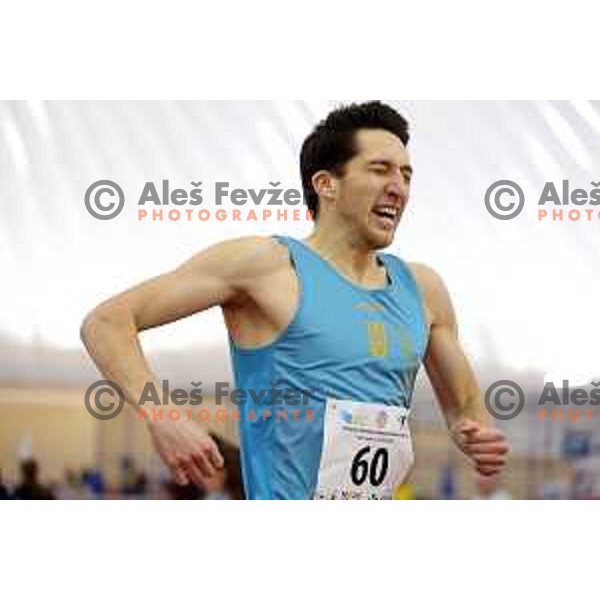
x: 367, y: 451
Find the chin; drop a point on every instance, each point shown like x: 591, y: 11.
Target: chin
x: 379, y: 240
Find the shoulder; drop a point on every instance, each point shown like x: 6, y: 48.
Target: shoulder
x: 261, y: 254
x: 244, y: 257
x: 235, y: 265
x: 427, y: 278
x: 433, y: 291
x: 248, y: 245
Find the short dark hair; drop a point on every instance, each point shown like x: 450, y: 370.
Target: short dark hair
x: 332, y: 143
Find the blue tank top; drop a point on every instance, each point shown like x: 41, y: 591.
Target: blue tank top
x: 345, y: 342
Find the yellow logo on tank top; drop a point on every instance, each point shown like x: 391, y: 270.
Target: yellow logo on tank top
x: 378, y: 344
x: 377, y: 335
x: 369, y: 307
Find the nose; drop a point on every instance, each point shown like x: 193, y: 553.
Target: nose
x: 397, y: 188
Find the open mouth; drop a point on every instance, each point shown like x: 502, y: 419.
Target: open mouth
x: 387, y: 215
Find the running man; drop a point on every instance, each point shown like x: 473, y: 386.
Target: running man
x: 332, y: 317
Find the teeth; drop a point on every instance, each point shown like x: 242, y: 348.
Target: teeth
x: 388, y: 212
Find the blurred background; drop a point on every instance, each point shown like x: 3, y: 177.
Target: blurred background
x: 525, y: 291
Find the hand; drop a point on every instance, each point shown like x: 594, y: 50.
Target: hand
x: 486, y: 447
x: 187, y: 449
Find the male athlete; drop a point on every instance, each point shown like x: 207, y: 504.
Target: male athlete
x: 331, y: 314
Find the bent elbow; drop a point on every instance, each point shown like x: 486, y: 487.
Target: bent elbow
x: 88, y: 325
x: 95, y: 319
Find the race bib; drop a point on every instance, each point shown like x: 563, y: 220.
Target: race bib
x: 367, y: 451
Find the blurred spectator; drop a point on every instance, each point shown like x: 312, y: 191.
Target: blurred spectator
x: 4, y: 494
x: 447, y: 485
x: 215, y: 487
x: 93, y: 481
x: 179, y: 492
x: 133, y: 482
x: 488, y: 488
x: 68, y: 488
x: 30, y: 488
x: 227, y: 482
x: 140, y: 486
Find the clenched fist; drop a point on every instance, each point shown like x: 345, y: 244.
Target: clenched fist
x: 486, y: 447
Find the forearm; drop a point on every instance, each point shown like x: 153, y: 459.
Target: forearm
x: 467, y: 405
x: 463, y: 407
x: 112, y: 341
x: 455, y: 384
x: 456, y: 389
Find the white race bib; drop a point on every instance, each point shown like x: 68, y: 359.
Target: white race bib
x: 367, y: 451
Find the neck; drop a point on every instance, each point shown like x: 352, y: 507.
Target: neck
x: 341, y: 249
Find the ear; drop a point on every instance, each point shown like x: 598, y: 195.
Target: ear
x: 325, y: 184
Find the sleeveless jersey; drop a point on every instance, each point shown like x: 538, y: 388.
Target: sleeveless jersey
x: 344, y: 342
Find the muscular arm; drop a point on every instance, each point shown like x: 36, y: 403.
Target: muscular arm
x: 453, y: 380
x: 446, y: 364
x: 217, y: 276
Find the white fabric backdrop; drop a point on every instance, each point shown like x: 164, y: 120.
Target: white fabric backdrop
x: 526, y: 292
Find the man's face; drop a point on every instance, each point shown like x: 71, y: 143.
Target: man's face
x: 373, y: 191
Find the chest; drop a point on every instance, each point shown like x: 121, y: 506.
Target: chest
x: 382, y: 327
x: 322, y: 315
